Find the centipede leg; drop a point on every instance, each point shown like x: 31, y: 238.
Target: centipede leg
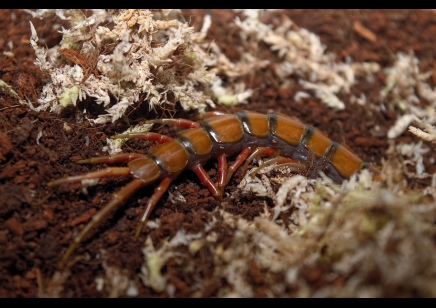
x: 185, y: 123
x: 146, y: 136
x: 152, y: 201
x: 279, y: 160
x: 222, y: 172
x: 206, y: 181
x: 237, y: 163
x: 110, y: 159
x: 265, y: 151
x: 260, y: 151
x: 126, y: 157
x: 320, y: 166
x: 116, y: 200
x: 107, y: 172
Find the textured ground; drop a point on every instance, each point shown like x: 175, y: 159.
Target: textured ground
x: 37, y: 223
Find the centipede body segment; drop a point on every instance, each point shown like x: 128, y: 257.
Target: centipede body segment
x: 246, y: 133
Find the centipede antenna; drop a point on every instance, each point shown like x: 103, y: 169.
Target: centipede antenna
x: 117, y: 200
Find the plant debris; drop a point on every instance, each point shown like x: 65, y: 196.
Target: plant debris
x: 71, y: 79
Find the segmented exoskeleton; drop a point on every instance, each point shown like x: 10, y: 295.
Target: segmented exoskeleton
x: 248, y: 133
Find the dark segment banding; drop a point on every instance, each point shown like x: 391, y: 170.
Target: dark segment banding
x: 196, y: 141
x: 242, y: 115
x: 330, y: 150
x: 254, y: 123
x: 210, y: 131
x: 308, y: 132
x: 171, y: 156
x: 365, y: 165
x: 186, y: 143
x: 272, y: 122
x: 226, y: 129
x: 156, y: 159
x: 287, y: 129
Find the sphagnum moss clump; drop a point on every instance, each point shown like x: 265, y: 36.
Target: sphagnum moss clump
x: 147, y: 55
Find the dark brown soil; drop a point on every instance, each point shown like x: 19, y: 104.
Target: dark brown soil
x: 38, y: 223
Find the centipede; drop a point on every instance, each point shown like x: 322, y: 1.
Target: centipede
x: 247, y: 135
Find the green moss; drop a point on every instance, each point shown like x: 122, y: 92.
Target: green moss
x: 373, y: 221
x: 191, y: 58
x: 8, y: 89
x: 70, y: 96
x: 68, y: 42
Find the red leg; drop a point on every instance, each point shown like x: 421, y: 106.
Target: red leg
x: 177, y: 122
x: 116, y: 200
x: 206, y: 181
x: 126, y: 157
x: 111, y: 171
x: 185, y: 123
x: 294, y: 166
x: 222, y: 171
x: 157, y: 194
x: 237, y: 163
x: 110, y: 159
x: 260, y: 151
x: 279, y: 160
x: 146, y: 136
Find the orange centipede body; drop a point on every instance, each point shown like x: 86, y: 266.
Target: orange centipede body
x: 246, y: 133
